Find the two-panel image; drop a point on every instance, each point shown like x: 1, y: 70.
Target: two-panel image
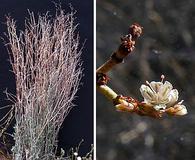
x: 97, y: 80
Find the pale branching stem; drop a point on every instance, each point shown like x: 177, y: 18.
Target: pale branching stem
x: 46, y: 62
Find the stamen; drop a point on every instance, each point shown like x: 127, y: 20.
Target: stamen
x: 162, y: 78
x: 150, y: 86
x: 181, y: 102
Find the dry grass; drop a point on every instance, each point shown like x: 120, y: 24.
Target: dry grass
x: 46, y: 62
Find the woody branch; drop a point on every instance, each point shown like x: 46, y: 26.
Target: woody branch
x: 129, y: 104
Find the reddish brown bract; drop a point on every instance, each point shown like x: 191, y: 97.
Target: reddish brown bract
x: 135, y: 30
x: 102, y: 78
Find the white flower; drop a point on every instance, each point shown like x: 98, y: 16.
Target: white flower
x: 161, y: 96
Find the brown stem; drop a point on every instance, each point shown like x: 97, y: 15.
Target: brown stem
x: 127, y: 45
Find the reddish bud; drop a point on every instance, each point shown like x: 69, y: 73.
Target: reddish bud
x: 135, y: 30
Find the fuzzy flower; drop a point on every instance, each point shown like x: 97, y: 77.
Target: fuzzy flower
x: 162, y: 97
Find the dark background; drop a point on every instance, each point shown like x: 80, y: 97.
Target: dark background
x: 166, y: 47
x: 79, y: 123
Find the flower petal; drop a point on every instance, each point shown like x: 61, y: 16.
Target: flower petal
x: 173, y: 97
x: 165, y: 89
x: 146, y: 92
x: 180, y: 110
x: 124, y: 108
x: 160, y: 107
x: 156, y: 85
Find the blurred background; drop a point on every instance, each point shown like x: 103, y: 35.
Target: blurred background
x: 78, y: 124
x: 166, y: 47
